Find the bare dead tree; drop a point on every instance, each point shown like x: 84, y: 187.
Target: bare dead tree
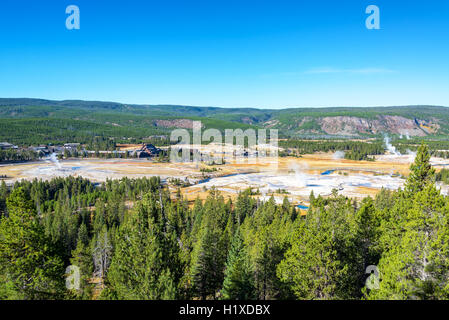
x: 102, y: 255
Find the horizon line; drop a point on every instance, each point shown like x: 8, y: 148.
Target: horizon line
x: 223, y: 107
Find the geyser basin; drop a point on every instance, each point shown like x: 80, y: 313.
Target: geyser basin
x: 294, y: 179
x: 299, y: 186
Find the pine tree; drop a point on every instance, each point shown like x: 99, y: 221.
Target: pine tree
x: 367, y: 233
x: 244, y: 206
x: 319, y: 264
x: 146, y: 259
x: 268, y: 255
x: 239, y: 279
x: 83, y: 235
x: 421, y: 172
x: 416, y: 265
x: 206, y: 265
x: 82, y: 258
x: 209, y: 253
x: 266, y: 235
x: 3, y: 196
x: 29, y: 265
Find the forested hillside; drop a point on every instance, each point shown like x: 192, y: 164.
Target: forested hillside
x: 132, y: 240
x: 31, y: 121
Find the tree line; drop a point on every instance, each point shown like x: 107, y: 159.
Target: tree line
x: 13, y: 155
x: 354, y: 150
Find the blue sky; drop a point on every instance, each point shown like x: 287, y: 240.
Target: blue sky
x: 229, y: 53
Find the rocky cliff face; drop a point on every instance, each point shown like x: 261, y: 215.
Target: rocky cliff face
x: 175, y: 123
x: 340, y: 125
x: 343, y: 125
x: 351, y: 125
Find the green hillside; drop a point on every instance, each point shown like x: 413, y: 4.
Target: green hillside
x: 33, y: 121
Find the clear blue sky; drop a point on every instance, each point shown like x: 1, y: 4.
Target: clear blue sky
x: 227, y: 52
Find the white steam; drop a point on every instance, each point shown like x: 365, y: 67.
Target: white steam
x: 412, y: 155
x: 390, y: 147
x: 300, y: 177
x: 338, y: 155
x: 53, y: 158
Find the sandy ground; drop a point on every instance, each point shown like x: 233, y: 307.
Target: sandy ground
x: 294, y: 177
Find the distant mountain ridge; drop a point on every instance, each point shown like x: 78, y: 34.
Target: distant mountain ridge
x: 305, y: 122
